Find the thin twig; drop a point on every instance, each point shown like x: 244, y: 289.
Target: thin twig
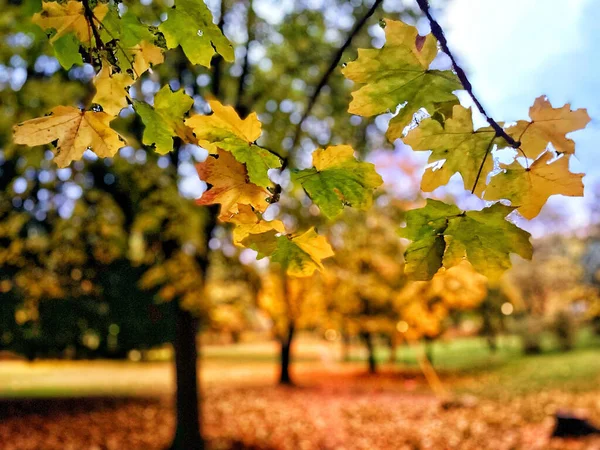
x: 89, y: 16
x: 487, y: 152
x: 437, y: 31
x: 239, y: 104
x: 312, y: 100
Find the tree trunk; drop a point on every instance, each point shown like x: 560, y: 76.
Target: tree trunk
x: 368, y: 338
x: 429, y: 350
x: 286, y: 347
x: 393, y: 347
x: 187, y: 433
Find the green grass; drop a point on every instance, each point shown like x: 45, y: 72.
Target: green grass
x: 470, y: 366
x: 465, y: 365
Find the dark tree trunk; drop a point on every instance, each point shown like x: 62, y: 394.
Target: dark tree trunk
x: 393, y: 347
x: 368, y: 338
x: 286, y: 347
x: 187, y: 433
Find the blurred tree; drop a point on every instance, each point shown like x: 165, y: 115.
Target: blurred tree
x: 366, y: 272
x: 425, y: 306
x: 143, y: 207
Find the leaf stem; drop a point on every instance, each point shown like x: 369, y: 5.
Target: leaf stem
x: 487, y: 152
x: 89, y: 16
x: 438, y: 32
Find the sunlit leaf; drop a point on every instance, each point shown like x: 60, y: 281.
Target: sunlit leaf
x: 529, y: 189
x: 111, y: 90
x: 299, y: 255
x: 548, y: 125
x: 229, y: 186
x: 224, y: 129
x: 66, y: 50
x: 66, y: 18
x: 164, y: 121
x: 399, y: 73
x: 248, y: 222
x: 75, y: 130
x: 190, y: 24
x: 338, y: 179
x: 463, y: 150
x: 484, y: 238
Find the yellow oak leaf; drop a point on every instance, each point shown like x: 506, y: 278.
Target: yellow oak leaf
x: 248, y: 222
x: 225, y: 130
x: 75, y: 130
x: 66, y: 18
x: 399, y: 74
x: 529, y: 189
x: 111, y: 91
x: 298, y: 255
x: 229, y: 185
x: 548, y: 125
x: 463, y: 150
x: 144, y: 56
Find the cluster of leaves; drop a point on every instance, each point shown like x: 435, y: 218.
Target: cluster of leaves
x: 121, y: 49
x: 442, y: 234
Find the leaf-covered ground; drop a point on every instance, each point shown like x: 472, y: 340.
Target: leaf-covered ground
x: 352, y: 414
x: 335, y: 406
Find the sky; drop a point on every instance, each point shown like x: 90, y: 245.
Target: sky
x: 515, y: 50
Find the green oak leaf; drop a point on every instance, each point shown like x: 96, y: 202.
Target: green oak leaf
x: 66, y: 50
x: 462, y: 149
x: 164, y: 121
x: 425, y: 227
x: 398, y: 74
x: 485, y: 238
x: 298, y: 255
x: 338, y: 179
x: 190, y: 24
x: 127, y: 29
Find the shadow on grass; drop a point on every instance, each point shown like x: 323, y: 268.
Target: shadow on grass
x: 47, y: 407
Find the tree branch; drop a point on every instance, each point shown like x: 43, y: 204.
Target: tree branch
x: 312, y: 100
x: 215, y: 86
x: 240, y: 106
x: 437, y: 31
x: 89, y: 16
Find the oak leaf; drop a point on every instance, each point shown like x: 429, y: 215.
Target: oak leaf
x: 298, y: 255
x: 399, y: 74
x: 75, y: 130
x: 229, y: 186
x: 190, y: 24
x: 143, y: 56
x: 443, y: 236
x: 224, y: 129
x: 164, y: 120
x: 338, y: 179
x: 548, y: 125
x: 66, y: 18
x: 248, y: 222
x: 111, y: 89
x: 529, y: 189
x: 463, y: 150
x: 66, y: 50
